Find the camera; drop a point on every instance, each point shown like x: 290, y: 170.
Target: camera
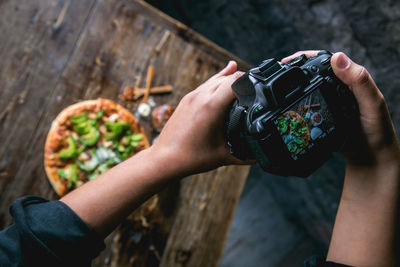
x: 290, y: 117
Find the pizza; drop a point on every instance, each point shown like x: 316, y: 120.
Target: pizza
x: 88, y: 138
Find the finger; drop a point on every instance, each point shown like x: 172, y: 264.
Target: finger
x: 223, y: 93
x: 230, y: 68
x: 358, y: 80
x: 308, y: 53
x: 214, y: 81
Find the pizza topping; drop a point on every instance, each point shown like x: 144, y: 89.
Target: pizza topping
x: 84, y: 156
x: 103, y: 128
x: 90, y: 138
x: 88, y: 165
x: 79, y: 118
x: 100, y: 114
x: 103, y: 154
x: 70, y: 174
x: 75, y: 135
x: 85, y: 127
x: 100, y: 160
x: 116, y: 129
x: 128, y: 143
x: 71, y: 151
x: 93, y: 175
x: 113, y: 117
x: 136, y: 137
x: 103, y: 168
x: 108, y: 144
x: 125, y: 140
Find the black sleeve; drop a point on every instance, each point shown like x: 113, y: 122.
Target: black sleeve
x: 47, y: 233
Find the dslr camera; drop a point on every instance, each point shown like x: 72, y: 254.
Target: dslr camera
x: 290, y: 117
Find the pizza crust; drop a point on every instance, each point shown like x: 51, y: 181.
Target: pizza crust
x: 56, y: 138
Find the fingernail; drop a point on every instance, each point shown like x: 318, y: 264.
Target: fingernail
x: 343, y: 61
x: 229, y: 62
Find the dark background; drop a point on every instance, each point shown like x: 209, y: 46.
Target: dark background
x: 281, y: 221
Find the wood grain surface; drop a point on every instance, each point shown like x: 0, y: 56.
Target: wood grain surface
x: 55, y: 53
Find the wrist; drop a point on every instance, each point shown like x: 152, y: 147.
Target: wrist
x: 165, y: 164
x: 388, y: 157
x: 379, y: 181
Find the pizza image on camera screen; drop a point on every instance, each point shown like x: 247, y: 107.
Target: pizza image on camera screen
x: 307, y: 122
x: 294, y: 132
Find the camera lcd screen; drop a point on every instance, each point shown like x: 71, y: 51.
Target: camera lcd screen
x: 305, y: 123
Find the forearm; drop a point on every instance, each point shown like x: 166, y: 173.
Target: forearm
x: 365, y: 226
x: 106, y: 200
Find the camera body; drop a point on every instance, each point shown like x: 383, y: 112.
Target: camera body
x: 291, y: 116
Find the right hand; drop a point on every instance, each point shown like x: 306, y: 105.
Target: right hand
x: 376, y: 126
x: 366, y: 221
x: 376, y: 144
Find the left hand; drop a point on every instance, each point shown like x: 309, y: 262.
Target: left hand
x: 192, y: 141
x: 193, y: 137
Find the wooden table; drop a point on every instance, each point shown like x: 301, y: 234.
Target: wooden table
x: 55, y: 53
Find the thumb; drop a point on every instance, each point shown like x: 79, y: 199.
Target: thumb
x: 229, y: 69
x: 224, y: 94
x: 374, y: 115
x: 357, y: 78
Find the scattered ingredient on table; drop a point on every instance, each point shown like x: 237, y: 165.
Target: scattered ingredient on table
x: 316, y: 118
x: 134, y: 93
x: 161, y: 115
x: 144, y: 108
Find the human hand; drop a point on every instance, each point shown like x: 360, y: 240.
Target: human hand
x: 375, y: 143
x: 366, y: 221
x: 193, y: 137
x: 191, y: 141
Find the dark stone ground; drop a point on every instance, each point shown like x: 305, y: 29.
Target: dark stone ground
x: 280, y: 221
